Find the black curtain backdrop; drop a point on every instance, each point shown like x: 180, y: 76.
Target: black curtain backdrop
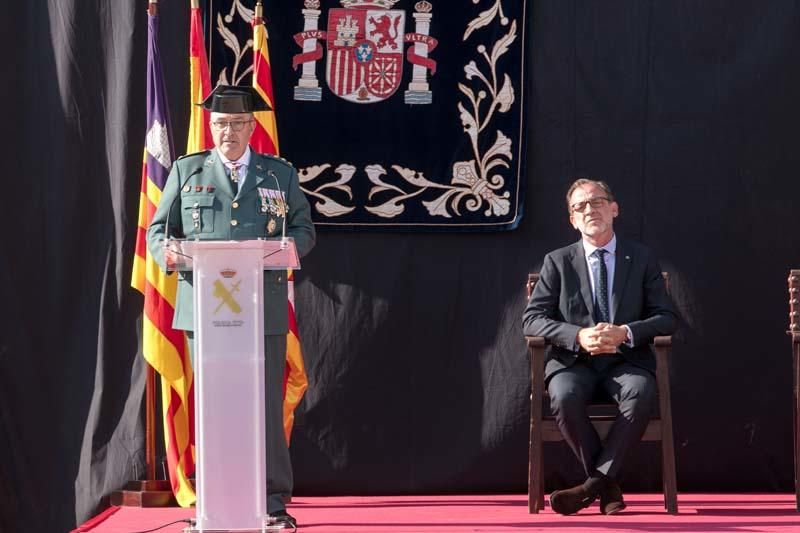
x: 413, y: 343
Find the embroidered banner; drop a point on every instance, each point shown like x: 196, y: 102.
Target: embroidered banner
x: 398, y: 115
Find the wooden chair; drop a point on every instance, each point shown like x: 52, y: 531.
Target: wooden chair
x: 794, y: 333
x: 544, y: 427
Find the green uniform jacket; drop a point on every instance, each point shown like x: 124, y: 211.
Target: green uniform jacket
x: 205, y: 205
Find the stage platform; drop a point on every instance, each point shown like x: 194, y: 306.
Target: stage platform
x: 715, y: 513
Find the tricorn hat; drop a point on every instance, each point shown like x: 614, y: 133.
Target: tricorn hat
x: 235, y: 99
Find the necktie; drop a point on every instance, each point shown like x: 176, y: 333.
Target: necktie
x: 235, y: 169
x: 601, y: 287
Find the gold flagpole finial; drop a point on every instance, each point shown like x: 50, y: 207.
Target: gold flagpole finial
x: 259, y: 10
x: 152, y: 7
x: 195, y: 4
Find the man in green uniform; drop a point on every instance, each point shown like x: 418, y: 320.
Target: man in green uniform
x: 234, y: 193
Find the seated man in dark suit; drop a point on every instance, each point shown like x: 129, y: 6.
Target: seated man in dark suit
x: 599, y: 302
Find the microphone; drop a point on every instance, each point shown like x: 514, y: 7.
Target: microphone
x: 284, y: 242
x: 171, y: 205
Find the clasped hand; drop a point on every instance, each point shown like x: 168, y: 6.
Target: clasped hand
x: 602, y: 339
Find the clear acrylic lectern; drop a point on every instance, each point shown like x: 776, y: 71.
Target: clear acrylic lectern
x: 230, y: 428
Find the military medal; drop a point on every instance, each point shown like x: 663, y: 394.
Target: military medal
x: 281, y: 204
x: 261, y: 195
x: 271, y: 225
x: 187, y: 188
x: 276, y: 204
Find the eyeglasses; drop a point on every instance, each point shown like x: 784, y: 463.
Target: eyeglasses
x: 222, y: 125
x: 596, y: 203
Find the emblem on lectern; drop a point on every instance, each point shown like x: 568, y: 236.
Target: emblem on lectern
x: 225, y: 294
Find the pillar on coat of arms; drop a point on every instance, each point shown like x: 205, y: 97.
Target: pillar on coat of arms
x: 307, y: 87
x: 418, y: 89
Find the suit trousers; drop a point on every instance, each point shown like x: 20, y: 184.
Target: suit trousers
x: 280, y: 479
x: 572, y: 389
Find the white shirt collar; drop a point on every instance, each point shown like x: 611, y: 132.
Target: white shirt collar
x: 610, y: 247
x: 244, y: 160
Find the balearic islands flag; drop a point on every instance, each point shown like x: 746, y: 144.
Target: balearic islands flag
x: 164, y: 348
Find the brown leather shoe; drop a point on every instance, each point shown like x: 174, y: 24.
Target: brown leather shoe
x: 611, y: 501
x: 570, y: 501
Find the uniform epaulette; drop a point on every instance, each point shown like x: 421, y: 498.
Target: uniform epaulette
x: 279, y: 159
x: 194, y: 154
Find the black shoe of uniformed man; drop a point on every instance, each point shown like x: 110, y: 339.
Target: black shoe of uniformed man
x: 284, y: 519
x: 611, y: 501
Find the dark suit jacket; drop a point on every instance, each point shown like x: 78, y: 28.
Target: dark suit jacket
x: 562, y: 303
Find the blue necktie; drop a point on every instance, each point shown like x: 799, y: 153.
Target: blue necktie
x: 601, y: 287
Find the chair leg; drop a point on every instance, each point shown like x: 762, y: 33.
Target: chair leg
x: 796, y: 424
x: 541, y: 477
x: 535, y: 473
x: 668, y: 467
x: 667, y: 440
x: 535, y: 480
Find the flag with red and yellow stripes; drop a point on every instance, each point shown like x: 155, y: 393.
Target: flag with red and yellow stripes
x: 199, y: 85
x: 295, y: 378
x: 265, y: 140
x: 265, y: 136
x: 164, y: 348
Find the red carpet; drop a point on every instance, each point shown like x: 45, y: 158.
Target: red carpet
x: 746, y: 513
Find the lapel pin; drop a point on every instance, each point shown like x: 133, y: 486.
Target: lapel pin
x: 259, y: 167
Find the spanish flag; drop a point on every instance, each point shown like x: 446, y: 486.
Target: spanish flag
x: 199, y: 85
x: 265, y: 140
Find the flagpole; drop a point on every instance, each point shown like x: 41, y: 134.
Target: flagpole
x: 150, y: 382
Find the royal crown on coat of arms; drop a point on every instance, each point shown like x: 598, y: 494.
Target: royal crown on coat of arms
x: 380, y: 4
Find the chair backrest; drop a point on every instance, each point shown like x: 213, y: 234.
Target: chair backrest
x: 533, y: 279
x: 794, y: 301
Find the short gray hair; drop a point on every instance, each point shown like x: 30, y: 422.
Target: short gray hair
x: 580, y: 182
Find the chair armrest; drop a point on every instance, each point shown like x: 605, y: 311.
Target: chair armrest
x: 662, y: 341
x: 537, y: 342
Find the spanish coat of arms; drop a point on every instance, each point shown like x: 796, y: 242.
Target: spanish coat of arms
x: 456, y: 163
x: 365, y: 41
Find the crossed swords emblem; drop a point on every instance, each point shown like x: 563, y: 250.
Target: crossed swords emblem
x: 225, y: 296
